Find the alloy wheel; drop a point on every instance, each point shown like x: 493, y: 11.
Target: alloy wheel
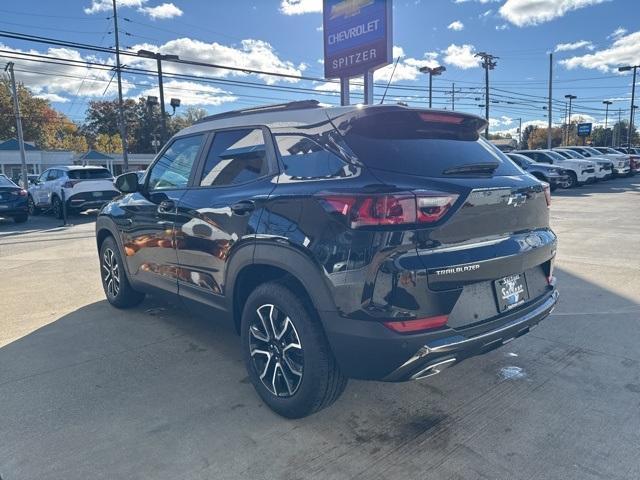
x: 276, y: 351
x: 110, y: 273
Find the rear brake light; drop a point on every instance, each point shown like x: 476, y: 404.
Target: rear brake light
x: 412, y: 326
x: 390, y: 209
x: 547, y: 194
x: 441, y: 118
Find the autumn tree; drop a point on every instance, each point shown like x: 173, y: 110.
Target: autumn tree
x: 538, y: 138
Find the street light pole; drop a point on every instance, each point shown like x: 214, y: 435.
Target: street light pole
x: 633, y: 98
x: 121, y: 115
x: 606, y: 121
x: 571, y: 99
x: 163, y: 115
x: 433, y: 72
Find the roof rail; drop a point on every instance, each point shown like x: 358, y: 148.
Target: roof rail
x: 279, y: 107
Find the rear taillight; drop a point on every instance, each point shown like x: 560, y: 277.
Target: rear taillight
x: 70, y: 183
x: 547, y: 194
x: 418, y: 325
x: 402, y: 208
x: 19, y: 193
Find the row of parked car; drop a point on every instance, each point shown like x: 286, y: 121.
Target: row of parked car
x: 79, y: 188
x: 572, y: 166
x: 73, y: 188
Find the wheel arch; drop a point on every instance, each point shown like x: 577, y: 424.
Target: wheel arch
x: 277, y: 263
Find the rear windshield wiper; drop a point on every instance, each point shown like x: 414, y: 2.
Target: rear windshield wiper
x: 472, y: 169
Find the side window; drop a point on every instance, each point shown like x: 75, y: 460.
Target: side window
x: 172, y: 170
x: 304, y: 158
x: 53, y: 175
x: 235, y: 156
x: 43, y: 176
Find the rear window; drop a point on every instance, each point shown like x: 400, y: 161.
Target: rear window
x: 5, y: 182
x: 89, y: 174
x: 420, y: 143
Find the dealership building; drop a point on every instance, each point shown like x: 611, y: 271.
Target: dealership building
x: 39, y: 160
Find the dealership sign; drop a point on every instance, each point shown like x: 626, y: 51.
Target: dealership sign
x: 584, y: 129
x: 357, y: 36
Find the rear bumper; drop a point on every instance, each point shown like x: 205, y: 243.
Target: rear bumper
x: 14, y: 208
x: 86, y: 200
x: 369, y: 350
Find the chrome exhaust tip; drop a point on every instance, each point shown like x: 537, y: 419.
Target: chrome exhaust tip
x: 434, y: 369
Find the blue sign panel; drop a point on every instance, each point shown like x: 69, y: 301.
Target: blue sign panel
x: 584, y: 129
x: 357, y: 36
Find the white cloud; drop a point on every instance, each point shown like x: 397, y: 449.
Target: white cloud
x: 618, y: 32
x: 461, y: 56
x: 502, y: 121
x: 623, y: 51
x: 476, y: 1
x: 565, y: 47
x: 250, y: 54
x: 55, y: 81
x: 192, y: 93
x: 513, y: 131
x: 457, y: 26
x: 504, y: 26
x: 98, y: 6
x: 485, y: 14
x: 533, y: 12
x: 408, y: 68
x: 298, y: 7
x: 52, y: 97
x: 164, y: 11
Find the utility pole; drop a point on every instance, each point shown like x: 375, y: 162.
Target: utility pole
x: 520, y: 133
x: 488, y: 63
x: 123, y: 123
x: 433, y: 72
x: 453, y: 97
x: 606, y: 119
x: 163, y: 114
x: 633, y: 99
x: 564, y: 134
x: 571, y: 99
x: 619, y: 126
x: 16, y: 112
x: 549, y: 108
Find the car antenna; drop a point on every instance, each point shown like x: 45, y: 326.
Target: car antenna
x: 389, y: 82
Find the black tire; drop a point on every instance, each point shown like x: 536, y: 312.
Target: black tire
x: 319, y: 381
x: 573, y: 180
x: 20, y: 218
x: 56, y: 207
x: 115, y: 283
x: 33, y: 210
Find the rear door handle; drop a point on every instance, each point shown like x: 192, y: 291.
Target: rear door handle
x: 167, y: 206
x: 245, y: 206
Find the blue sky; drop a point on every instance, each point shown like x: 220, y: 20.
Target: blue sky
x: 590, y: 38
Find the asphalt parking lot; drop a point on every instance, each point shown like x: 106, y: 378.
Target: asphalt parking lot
x: 90, y: 392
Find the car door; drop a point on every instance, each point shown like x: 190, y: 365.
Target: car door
x: 147, y: 221
x: 218, y: 216
x: 37, y: 189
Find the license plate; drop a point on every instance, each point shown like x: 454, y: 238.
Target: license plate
x: 96, y: 194
x: 511, y: 291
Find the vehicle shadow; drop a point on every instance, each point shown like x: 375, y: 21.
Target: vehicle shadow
x: 614, y: 185
x: 44, y: 224
x: 155, y: 392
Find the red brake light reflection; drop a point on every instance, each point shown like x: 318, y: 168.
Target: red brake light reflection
x: 412, y: 326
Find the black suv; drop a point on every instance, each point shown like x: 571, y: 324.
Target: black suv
x: 376, y: 242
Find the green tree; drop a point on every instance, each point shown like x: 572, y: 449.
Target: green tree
x: 526, y: 133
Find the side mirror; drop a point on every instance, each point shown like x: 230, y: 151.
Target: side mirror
x: 127, y: 182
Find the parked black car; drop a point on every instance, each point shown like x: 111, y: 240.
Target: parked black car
x: 554, y: 176
x: 13, y: 200
x: 378, y: 242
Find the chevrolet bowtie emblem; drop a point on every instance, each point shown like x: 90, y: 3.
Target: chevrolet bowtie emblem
x: 348, y: 8
x: 517, y: 199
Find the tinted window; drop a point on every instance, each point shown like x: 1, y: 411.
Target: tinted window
x: 305, y: 158
x: 89, y: 174
x: 172, y: 170
x: 5, y: 182
x: 418, y: 143
x: 235, y: 156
